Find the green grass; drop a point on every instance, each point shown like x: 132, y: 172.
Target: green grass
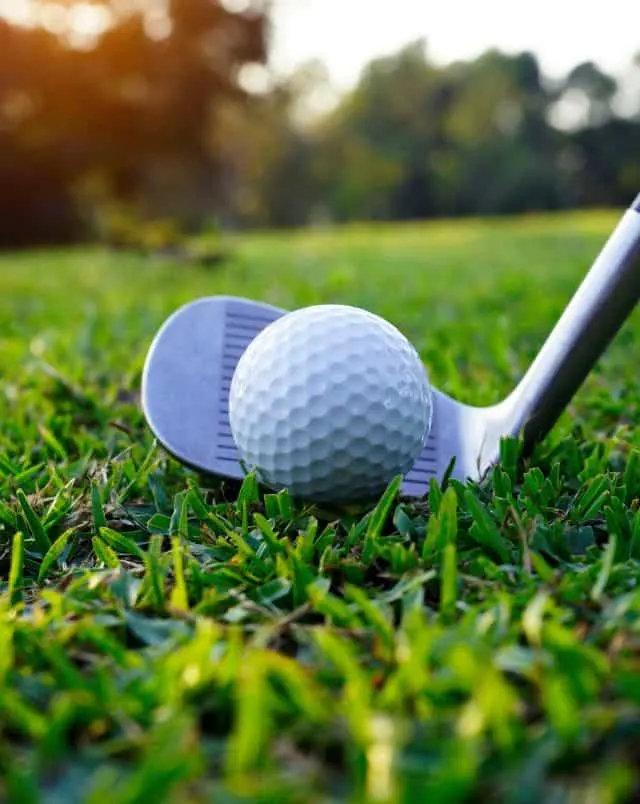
x: 166, y: 638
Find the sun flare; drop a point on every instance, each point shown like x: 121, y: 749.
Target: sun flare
x: 87, y: 20
x: 81, y: 22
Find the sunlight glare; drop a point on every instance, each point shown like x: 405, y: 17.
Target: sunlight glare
x: 18, y: 12
x: 236, y: 6
x: 88, y: 21
x: 157, y: 24
x: 82, y: 22
x: 254, y: 78
x: 54, y: 18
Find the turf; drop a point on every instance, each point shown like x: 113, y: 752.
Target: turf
x: 164, y: 637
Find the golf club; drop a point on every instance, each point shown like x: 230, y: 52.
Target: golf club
x: 190, y: 364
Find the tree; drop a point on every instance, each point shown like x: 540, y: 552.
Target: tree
x: 133, y: 111
x: 415, y: 139
x: 597, y: 88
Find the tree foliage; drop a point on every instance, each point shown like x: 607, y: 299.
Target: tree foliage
x: 152, y: 114
x: 126, y: 116
x: 491, y: 135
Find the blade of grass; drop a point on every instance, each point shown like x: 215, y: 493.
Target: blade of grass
x: 34, y: 524
x: 16, y: 570
x: 53, y: 554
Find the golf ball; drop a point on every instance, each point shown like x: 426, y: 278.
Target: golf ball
x: 331, y: 402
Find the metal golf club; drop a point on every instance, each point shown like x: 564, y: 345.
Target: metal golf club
x: 188, y: 371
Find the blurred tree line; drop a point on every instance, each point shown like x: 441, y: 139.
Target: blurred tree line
x: 150, y: 118
x: 491, y: 135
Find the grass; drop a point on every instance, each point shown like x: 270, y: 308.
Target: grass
x: 164, y: 637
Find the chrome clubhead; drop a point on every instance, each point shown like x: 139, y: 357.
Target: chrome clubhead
x: 189, y: 367
x: 187, y: 377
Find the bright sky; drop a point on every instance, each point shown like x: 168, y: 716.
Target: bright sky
x: 346, y: 34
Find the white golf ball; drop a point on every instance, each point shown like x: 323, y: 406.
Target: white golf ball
x: 331, y: 402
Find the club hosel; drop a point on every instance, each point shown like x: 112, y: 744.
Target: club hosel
x: 600, y: 306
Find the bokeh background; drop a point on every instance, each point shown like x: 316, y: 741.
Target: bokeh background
x: 138, y: 123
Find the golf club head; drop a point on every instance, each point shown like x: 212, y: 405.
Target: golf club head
x: 185, y: 397
x: 190, y: 365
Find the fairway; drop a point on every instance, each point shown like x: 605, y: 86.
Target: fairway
x: 166, y: 637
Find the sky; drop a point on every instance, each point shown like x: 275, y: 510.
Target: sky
x: 346, y: 34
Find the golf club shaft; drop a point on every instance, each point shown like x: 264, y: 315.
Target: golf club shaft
x: 600, y: 306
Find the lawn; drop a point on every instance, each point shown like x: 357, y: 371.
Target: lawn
x: 165, y: 637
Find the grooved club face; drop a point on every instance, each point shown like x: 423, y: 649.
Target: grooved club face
x: 185, y: 396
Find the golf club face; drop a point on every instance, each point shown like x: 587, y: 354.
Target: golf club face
x: 185, y: 395
x: 187, y: 377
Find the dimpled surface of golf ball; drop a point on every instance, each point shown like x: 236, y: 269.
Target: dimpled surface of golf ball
x: 331, y: 402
